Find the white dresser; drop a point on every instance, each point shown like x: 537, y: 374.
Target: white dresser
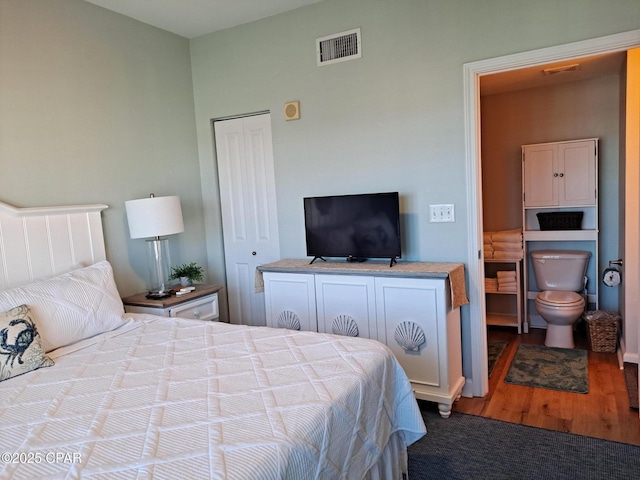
x: 412, y: 307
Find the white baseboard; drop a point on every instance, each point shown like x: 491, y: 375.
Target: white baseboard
x: 467, y: 390
x: 627, y: 356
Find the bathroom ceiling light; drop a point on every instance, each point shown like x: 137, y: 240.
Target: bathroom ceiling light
x: 562, y: 69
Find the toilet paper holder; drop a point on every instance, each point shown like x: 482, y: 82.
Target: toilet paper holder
x: 611, y: 276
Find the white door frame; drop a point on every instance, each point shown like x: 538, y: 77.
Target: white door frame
x: 479, y: 384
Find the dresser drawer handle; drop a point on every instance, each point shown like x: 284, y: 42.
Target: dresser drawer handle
x: 197, y: 314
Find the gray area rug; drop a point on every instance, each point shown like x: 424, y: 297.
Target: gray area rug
x: 631, y: 382
x: 495, y: 348
x: 562, y: 369
x: 469, y: 447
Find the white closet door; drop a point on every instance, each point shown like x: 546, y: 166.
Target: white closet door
x: 248, y: 201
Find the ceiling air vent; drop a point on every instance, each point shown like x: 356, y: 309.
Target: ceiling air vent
x: 339, y: 47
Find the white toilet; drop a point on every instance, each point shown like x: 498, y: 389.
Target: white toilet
x: 560, y: 274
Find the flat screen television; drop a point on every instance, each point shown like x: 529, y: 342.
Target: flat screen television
x: 357, y: 227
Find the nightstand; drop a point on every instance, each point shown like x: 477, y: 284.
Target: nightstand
x: 201, y: 304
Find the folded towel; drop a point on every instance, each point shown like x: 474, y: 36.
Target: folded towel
x: 507, y: 246
x: 508, y: 255
x: 487, y: 253
x: 507, y: 289
x: 514, y: 235
x: 507, y: 284
x: 491, y: 284
x: 506, y: 274
x: 487, y: 237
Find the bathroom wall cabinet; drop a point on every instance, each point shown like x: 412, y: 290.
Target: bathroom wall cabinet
x: 560, y: 174
x: 411, y: 313
x: 560, y: 177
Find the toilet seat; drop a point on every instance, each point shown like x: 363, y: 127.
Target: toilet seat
x: 553, y: 298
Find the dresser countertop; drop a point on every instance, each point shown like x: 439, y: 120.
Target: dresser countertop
x: 453, y: 271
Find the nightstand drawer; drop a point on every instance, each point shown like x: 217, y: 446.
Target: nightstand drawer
x: 202, y: 309
x: 202, y: 303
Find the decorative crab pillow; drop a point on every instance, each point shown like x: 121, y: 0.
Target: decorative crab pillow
x: 20, y: 344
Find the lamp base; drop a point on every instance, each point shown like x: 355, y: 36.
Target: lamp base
x: 159, y: 267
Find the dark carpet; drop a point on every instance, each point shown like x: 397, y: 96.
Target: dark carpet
x: 470, y: 447
x: 562, y: 369
x: 631, y: 382
x: 495, y: 348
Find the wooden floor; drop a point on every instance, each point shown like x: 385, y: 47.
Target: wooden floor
x: 603, y: 412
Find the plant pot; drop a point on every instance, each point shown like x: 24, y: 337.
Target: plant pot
x: 185, y: 282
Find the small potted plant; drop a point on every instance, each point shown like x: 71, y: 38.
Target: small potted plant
x: 187, y: 274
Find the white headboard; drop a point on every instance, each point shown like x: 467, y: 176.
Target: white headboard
x: 40, y: 242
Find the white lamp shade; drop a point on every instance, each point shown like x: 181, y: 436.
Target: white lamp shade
x: 154, y: 216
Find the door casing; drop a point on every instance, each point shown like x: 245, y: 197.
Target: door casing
x: 478, y: 384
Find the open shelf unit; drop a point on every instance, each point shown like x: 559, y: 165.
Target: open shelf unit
x: 503, y: 319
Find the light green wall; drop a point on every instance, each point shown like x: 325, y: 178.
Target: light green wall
x: 98, y: 108
x: 392, y: 120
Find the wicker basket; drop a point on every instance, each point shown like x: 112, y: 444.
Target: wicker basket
x: 560, y: 220
x: 602, y: 328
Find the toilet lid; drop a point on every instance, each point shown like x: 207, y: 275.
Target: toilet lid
x: 552, y: 297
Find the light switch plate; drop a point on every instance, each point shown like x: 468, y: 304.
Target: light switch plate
x: 441, y: 213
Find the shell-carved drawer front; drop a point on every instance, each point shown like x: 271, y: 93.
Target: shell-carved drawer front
x: 289, y: 320
x: 410, y: 336
x: 344, y: 325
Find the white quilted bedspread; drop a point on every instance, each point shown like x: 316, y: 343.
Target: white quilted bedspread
x: 173, y: 398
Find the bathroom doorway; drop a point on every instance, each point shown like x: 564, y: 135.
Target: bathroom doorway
x: 475, y: 115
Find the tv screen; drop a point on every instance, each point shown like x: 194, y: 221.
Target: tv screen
x: 353, y: 226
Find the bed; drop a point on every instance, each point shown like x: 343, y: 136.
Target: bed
x: 98, y: 393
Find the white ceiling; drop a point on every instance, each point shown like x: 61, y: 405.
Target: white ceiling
x: 192, y: 18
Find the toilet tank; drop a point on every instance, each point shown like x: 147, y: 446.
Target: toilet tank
x: 560, y: 269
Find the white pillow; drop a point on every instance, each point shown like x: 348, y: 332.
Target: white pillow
x: 72, y: 306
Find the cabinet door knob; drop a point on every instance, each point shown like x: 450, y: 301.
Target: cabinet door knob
x: 562, y: 174
x: 555, y: 174
x: 253, y: 253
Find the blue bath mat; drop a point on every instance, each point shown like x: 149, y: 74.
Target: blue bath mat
x: 562, y: 369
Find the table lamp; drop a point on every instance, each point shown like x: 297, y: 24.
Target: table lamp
x: 152, y: 218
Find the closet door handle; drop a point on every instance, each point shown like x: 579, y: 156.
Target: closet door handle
x: 555, y: 174
x: 562, y: 174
